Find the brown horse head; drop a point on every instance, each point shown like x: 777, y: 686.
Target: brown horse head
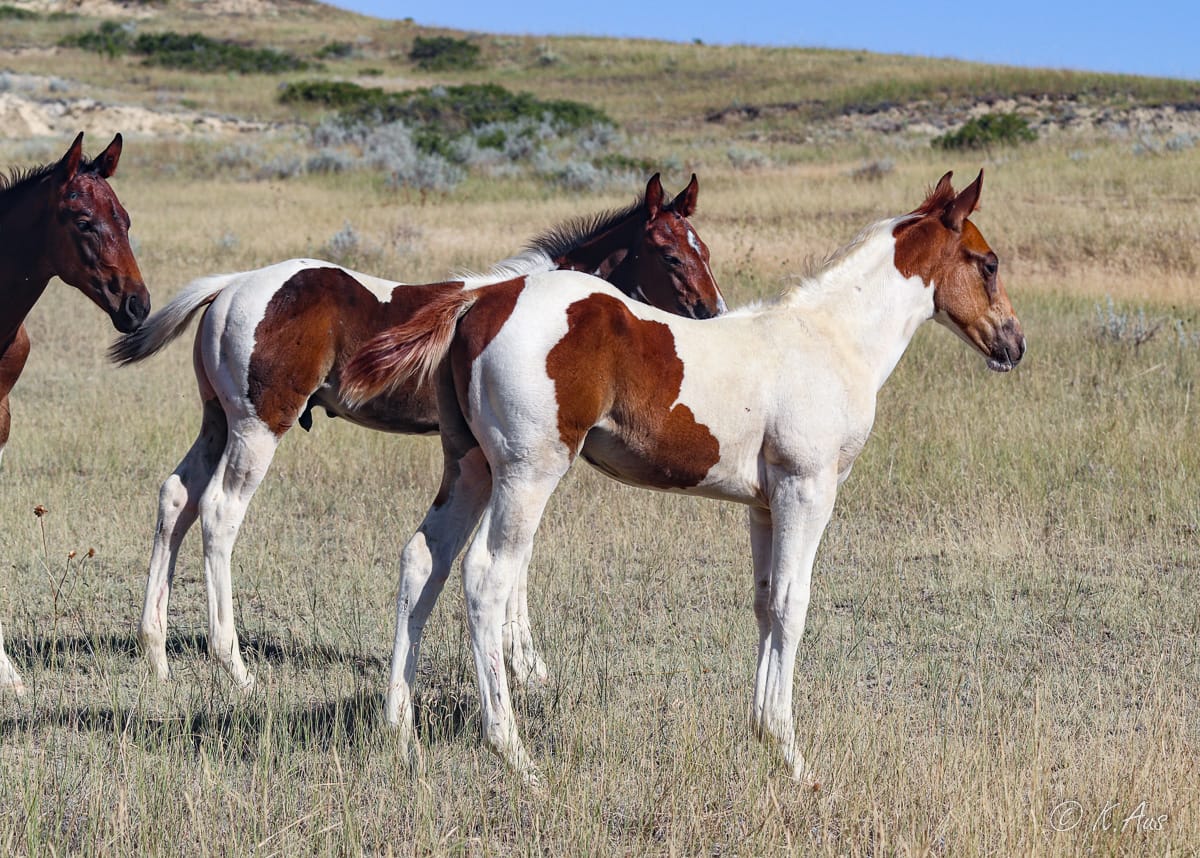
x: 88, y: 238
x: 649, y: 251
x: 938, y: 243
x: 670, y: 264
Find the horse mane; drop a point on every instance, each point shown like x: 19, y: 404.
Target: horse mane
x: 570, y: 234
x: 541, y: 251
x: 19, y: 180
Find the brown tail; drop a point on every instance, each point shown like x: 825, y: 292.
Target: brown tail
x: 413, y: 349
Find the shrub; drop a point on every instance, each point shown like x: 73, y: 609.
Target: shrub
x: 111, y: 38
x: 335, y: 51
x: 331, y: 93
x: 16, y: 13
x: 991, y: 129
x: 446, y: 113
x: 443, y: 53
x: 193, y: 51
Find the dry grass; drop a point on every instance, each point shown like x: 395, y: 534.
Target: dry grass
x: 1004, y: 626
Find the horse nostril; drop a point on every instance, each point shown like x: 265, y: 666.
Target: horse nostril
x: 135, y: 309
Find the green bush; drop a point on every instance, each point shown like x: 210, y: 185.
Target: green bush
x: 452, y: 110
x: 991, y: 129
x: 197, y: 52
x: 335, y: 51
x: 443, y: 53
x: 193, y: 51
x: 16, y: 13
x: 111, y: 39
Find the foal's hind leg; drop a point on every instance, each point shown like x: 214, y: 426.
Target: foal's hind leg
x: 424, y: 566
x: 525, y: 665
x: 248, y: 453
x: 491, y: 570
x: 178, y: 505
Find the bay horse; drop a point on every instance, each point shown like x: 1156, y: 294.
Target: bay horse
x: 61, y: 220
x: 273, y: 343
x: 767, y: 406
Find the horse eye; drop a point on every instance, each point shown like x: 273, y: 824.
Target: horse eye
x: 84, y: 225
x: 673, y: 261
x: 990, y: 267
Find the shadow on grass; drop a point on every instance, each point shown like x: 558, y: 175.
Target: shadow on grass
x: 244, y: 727
x: 47, y: 650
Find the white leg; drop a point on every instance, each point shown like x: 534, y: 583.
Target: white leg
x: 800, y: 509
x: 178, y: 506
x: 9, y: 678
x: 424, y: 566
x: 525, y: 665
x: 491, y: 570
x: 248, y: 454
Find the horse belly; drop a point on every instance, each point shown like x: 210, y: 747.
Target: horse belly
x: 410, y: 410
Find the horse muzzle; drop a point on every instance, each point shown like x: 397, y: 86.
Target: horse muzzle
x: 1007, y: 347
x: 131, y: 312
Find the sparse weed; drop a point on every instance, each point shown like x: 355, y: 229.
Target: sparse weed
x: 1125, y: 327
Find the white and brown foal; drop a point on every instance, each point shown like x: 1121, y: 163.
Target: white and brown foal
x: 272, y: 345
x: 767, y: 406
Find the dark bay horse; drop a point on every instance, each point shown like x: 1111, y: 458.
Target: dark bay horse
x: 61, y: 220
x: 272, y: 345
x: 768, y: 406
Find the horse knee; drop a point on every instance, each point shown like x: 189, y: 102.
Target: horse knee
x: 172, y: 496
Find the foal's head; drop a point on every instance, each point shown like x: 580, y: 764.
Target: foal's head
x: 939, y: 244
x: 669, y: 262
x: 88, y: 235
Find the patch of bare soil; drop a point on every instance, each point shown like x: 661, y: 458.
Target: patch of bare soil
x: 23, y: 116
x: 1048, y: 115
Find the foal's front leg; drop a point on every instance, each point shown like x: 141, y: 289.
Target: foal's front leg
x: 800, y: 510
x: 9, y: 678
x: 12, y: 361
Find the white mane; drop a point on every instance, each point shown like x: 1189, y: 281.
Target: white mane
x: 531, y: 261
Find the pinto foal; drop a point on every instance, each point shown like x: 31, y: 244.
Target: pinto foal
x: 273, y: 343
x: 61, y: 220
x: 767, y: 406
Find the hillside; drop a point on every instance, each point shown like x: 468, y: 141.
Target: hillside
x: 779, y: 97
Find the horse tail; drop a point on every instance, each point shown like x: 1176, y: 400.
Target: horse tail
x: 168, y: 323
x: 411, y: 350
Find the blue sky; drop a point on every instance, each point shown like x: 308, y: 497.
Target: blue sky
x: 1152, y: 38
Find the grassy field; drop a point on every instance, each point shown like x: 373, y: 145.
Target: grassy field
x: 1003, y: 647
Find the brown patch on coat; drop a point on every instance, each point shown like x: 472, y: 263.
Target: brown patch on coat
x: 612, y: 366
x: 313, y: 324
x: 478, y: 328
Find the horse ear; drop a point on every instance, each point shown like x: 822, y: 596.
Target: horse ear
x: 69, y: 165
x: 961, y: 207
x: 654, y: 197
x: 106, y: 161
x: 685, y: 203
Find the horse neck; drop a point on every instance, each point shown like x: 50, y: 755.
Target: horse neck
x: 607, y: 254
x: 23, y: 273
x: 871, y: 308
